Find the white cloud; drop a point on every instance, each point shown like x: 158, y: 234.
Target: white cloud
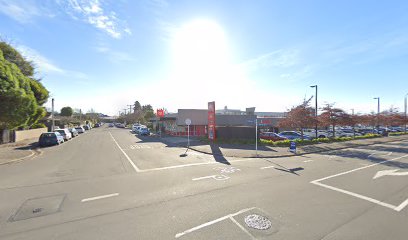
x: 21, y: 11
x: 93, y: 13
x: 112, y: 55
x: 46, y: 65
x: 279, y: 58
x: 43, y: 63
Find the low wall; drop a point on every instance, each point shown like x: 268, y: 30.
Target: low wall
x: 28, y: 134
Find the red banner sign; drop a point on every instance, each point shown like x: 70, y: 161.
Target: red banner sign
x: 211, y: 120
x: 160, y: 113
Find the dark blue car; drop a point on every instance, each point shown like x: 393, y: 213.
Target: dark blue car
x: 50, y: 138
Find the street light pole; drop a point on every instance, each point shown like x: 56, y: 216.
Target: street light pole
x: 315, y: 86
x: 378, y: 113
x: 352, y: 119
x: 405, y: 107
x: 52, y: 115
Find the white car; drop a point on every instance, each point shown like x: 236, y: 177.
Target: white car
x: 312, y: 133
x: 65, y: 133
x: 80, y: 129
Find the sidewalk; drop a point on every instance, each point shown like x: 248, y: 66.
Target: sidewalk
x: 12, y: 152
x: 248, y: 151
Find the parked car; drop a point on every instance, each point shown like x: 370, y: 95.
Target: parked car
x: 135, y: 127
x: 311, y: 133
x: 271, y: 136
x: 74, y: 132
x: 65, y: 133
x: 111, y: 125
x: 86, y: 127
x: 144, y: 131
x: 50, y: 138
x: 291, y: 135
x: 97, y: 125
x: 80, y: 129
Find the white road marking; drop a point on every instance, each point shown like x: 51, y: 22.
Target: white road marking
x: 401, y: 206
x: 267, y: 167
x: 212, y: 222
x: 391, y: 172
x: 388, y: 154
x: 215, y: 177
x: 356, y: 195
x: 306, y: 161
x: 227, y: 169
x: 127, y: 157
x: 396, y: 208
x: 99, y: 197
x: 242, y: 228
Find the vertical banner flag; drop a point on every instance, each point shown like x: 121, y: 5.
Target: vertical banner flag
x: 160, y: 113
x: 211, y: 120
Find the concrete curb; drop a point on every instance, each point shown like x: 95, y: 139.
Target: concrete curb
x: 33, y: 152
x: 298, y: 154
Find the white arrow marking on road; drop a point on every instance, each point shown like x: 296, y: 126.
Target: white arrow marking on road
x: 392, y: 172
x: 215, y: 177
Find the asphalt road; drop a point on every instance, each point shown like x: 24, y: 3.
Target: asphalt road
x: 110, y: 184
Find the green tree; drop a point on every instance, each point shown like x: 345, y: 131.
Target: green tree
x: 67, y: 111
x: 13, y: 56
x: 137, y: 107
x: 18, y: 102
x: 148, y: 112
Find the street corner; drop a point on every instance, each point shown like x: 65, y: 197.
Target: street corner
x: 11, y: 155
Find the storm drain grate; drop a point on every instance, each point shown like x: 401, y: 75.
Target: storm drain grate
x: 258, y: 222
x: 37, y: 207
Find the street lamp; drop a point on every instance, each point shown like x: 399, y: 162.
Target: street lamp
x: 405, y: 107
x: 315, y: 86
x: 354, y: 129
x: 378, y: 112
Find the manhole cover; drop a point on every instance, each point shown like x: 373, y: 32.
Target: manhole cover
x: 258, y: 222
x: 37, y: 207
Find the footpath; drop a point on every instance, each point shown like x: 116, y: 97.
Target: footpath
x: 14, y: 152
x: 248, y: 151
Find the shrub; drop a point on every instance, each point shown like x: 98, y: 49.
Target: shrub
x: 38, y: 125
x: 397, y: 133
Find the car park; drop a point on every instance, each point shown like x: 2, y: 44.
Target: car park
x: 50, y: 138
x: 271, y: 136
x: 80, y: 129
x: 65, y: 133
x: 292, y: 135
x: 311, y: 133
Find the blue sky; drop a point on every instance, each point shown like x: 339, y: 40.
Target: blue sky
x: 181, y: 54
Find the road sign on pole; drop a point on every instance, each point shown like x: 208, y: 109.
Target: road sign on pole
x: 256, y: 136
x: 292, y: 147
x: 188, y: 123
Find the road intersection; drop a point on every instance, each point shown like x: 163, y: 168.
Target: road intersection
x: 109, y: 183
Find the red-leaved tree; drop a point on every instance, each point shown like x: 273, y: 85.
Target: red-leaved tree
x: 299, y: 117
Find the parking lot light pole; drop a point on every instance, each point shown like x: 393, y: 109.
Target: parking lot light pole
x: 405, y: 108
x: 352, y: 119
x: 315, y: 86
x: 378, y: 113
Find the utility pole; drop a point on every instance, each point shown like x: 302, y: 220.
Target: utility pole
x: 130, y: 108
x: 315, y: 86
x: 80, y: 116
x: 405, y: 107
x: 52, y: 116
